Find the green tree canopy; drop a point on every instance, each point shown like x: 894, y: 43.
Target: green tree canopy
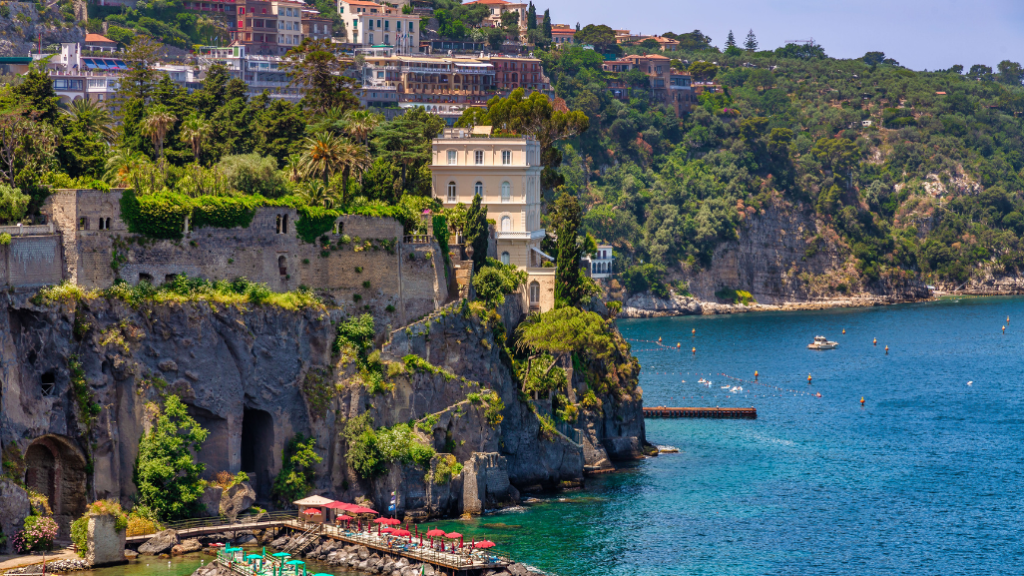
x: 166, y: 474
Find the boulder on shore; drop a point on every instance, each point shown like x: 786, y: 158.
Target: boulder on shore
x: 159, y: 544
x: 236, y: 500
x: 186, y: 546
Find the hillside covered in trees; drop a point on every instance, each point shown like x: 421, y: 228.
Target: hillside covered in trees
x: 906, y: 175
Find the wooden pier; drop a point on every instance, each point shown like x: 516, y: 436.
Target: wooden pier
x: 663, y: 412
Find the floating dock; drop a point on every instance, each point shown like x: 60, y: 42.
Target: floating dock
x: 663, y: 412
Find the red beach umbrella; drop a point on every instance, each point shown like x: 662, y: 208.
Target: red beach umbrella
x: 435, y: 532
x: 382, y: 521
x: 387, y: 530
x: 484, y: 544
x: 390, y: 521
x: 344, y: 517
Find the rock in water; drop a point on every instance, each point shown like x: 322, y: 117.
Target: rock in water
x: 236, y: 500
x: 160, y: 543
x: 186, y: 546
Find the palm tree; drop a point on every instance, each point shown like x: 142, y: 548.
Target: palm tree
x: 316, y: 193
x: 157, y: 123
x: 92, y: 117
x: 323, y: 156
x: 293, y: 167
x: 357, y: 160
x: 120, y: 165
x: 360, y: 123
x: 194, y: 130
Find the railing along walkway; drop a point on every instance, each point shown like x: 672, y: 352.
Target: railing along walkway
x: 201, y: 526
x: 401, y: 546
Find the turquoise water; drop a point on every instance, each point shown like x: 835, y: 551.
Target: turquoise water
x: 926, y: 478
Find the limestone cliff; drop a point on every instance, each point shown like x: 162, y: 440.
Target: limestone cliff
x: 784, y: 254
x: 81, y: 380
x: 22, y: 25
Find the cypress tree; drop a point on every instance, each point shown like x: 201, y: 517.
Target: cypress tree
x: 751, y: 43
x: 730, y: 40
x: 531, y: 17
x: 569, y: 278
x: 547, y: 24
x: 476, y: 232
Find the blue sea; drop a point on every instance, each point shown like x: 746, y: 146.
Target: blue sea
x: 926, y: 478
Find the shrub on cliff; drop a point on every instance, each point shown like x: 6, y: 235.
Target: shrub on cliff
x: 166, y: 474
x: 295, y: 480
x: 13, y: 204
x: 496, y: 280
x: 143, y: 520
x: 370, y: 451
x: 253, y: 174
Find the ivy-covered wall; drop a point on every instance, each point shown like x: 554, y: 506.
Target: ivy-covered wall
x: 358, y: 260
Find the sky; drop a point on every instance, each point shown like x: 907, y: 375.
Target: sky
x: 919, y: 34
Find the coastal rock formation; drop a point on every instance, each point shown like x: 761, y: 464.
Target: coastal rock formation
x: 163, y: 542
x: 646, y: 305
x: 186, y: 546
x: 255, y: 376
x: 14, y: 507
x: 22, y: 28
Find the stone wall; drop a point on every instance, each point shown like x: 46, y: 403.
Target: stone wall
x: 105, y: 542
x: 485, y: 482
x: 31, y: 261
x: 374, y: 269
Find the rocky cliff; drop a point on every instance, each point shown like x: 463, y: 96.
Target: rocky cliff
x: 21, y: 26
x: 83, y: 378
x: 784, y: 256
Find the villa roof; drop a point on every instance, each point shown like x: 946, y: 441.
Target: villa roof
x: 495, y: 2
x: 94, y: 38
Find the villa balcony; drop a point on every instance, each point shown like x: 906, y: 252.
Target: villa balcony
x: 517, y: 235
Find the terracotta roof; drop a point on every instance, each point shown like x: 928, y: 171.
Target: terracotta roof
x: 488, y: 2
x: 362, y: 3
x: 90, y: 38
x: 657, y: 57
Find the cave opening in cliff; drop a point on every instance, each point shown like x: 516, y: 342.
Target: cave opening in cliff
x: 214, y: 452
x: 258, y: 449
x: 47, y: 382
x: 55, y: 467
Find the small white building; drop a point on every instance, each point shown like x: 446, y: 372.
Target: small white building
x: 600, y: 265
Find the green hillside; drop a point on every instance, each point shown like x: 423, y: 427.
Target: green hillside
x: 931, y: 187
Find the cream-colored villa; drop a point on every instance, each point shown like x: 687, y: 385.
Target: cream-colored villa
x: 505, y: 172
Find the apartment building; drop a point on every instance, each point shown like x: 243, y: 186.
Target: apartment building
x: 601, y: 265
x: 371, y: 24
x: 78, y: 77
x: 422, y: 79
x: 261, y: 73
x: 267, y: 27
x: 562, y: 34
x: 511, y: 72
x: 667, y: 86
x: 505, y: 173
x: 316, y: 26
x: 499, y: 7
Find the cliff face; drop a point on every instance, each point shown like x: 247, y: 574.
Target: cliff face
x: 784, y: 255
x: 256, y: 376
x: 19, y: 32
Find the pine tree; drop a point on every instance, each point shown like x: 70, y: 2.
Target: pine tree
x: 730, y: 40
x: 547, y: 24
x: 477, y: 233
x: 751, y: 43
x: 531, y: 17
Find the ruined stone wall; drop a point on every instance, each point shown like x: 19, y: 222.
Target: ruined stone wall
x: 374, y: 270
x: 31, y: 261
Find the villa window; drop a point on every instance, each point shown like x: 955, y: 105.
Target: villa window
x: 506, y: 157
x: 83, y: 223
x: 282, y: 223
x: 478, y: 189
x: 506, y: 224
x: 451, y: 191
x: 478, y: 157
x: 506, y: 192
x: 505, y: 258
x: 534, y: 292
x: 282, y: 265
x: 452, y: 157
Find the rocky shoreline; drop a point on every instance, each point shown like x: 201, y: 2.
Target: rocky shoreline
x: 646, y: 305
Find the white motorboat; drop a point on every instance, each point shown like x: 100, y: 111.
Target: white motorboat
x: 821, y: 343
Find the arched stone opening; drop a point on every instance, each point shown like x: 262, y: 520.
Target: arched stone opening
x: 215, y: 450
x: 55, y: 467
x: 258, y: 449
